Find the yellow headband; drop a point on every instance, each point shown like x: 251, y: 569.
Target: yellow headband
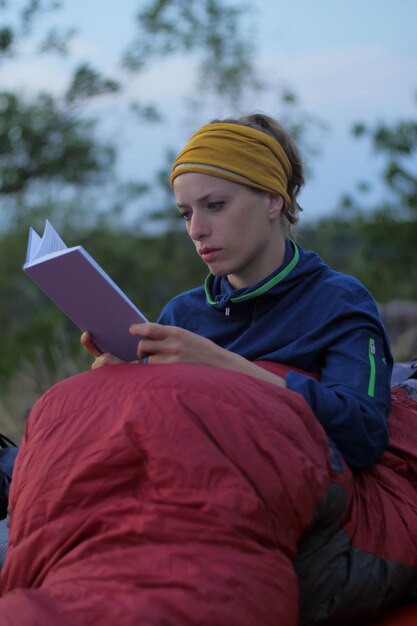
x: 238, y: 153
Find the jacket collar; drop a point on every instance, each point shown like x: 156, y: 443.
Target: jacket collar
x: 219, y: 291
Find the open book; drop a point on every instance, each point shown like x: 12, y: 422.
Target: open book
x: 83, y: 290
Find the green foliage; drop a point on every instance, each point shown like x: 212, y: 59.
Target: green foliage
x: 214, y: 29
x: 88, y: 83
x: 375, y: 247
x: 42, y: 142
x: 22, y: 22
x: 50, y: 156
x: 56, y: 41
x: 397, y: 143
x: 6, y: 39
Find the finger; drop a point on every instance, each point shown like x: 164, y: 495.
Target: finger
x: 160, y: 358
x: 89, y: 344
x: 146, y: 347
x: 155, y: 359
x: 151, y: 330
x: 97, y: 363
x: 105, y: 359
x: 85, y: 338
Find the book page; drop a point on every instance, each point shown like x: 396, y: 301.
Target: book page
x: 50, y: 242
x: 33, y: 245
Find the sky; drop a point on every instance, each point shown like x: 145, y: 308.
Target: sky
x: 346, y: 61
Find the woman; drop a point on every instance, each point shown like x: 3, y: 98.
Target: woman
x: 236, y: 185
x: 208, y: 485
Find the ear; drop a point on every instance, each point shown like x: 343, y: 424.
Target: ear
x: 276, y: 204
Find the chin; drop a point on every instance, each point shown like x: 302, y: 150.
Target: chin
x: 217, y: 271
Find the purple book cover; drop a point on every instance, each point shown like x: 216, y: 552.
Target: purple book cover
x: 89, y: 297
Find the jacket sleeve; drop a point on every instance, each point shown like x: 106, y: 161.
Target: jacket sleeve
x: 352, y: 398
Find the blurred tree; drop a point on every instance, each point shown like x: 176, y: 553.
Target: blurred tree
x: 49, y: 154
x: 50, y: 161
x: 397, y: 142
x: 377, y: 244
x: 20, y: 19
x: 44, y: 144
x: 376, y: 247
x: 53, y: 164
x: 213, y: 29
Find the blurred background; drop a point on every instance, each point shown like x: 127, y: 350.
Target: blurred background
x: 97, y: 96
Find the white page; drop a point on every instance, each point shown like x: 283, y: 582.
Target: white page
x: 33, y: 245
x: 50, y: 242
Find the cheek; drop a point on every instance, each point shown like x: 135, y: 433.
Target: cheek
x: 247, y: 226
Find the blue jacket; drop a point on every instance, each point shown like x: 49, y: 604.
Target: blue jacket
x: 311, y: 317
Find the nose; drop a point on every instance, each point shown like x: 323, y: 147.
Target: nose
x: 197, y: 226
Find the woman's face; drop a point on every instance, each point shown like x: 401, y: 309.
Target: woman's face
x: 237, y: 231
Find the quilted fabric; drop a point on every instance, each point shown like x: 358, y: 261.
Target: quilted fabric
x: 183, y: 495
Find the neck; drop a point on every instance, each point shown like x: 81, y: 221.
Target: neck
x: 251, y: 276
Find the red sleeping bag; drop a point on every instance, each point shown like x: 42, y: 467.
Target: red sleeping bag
x: 183, y: 495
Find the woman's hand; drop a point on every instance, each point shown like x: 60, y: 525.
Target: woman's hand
x: 169, y: 344
x: 100, y: 358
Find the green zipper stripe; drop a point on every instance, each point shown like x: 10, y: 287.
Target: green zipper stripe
x: 372, y: 372
x: 263, y: 288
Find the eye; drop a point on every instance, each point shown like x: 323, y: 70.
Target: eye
x: 186, y: 215
x: 215, y: 206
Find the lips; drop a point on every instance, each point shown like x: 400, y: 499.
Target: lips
x: 209, y: 254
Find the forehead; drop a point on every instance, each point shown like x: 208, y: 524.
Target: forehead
x: 193, y: 185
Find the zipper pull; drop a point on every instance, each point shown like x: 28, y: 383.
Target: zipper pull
x: 227, y: 310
